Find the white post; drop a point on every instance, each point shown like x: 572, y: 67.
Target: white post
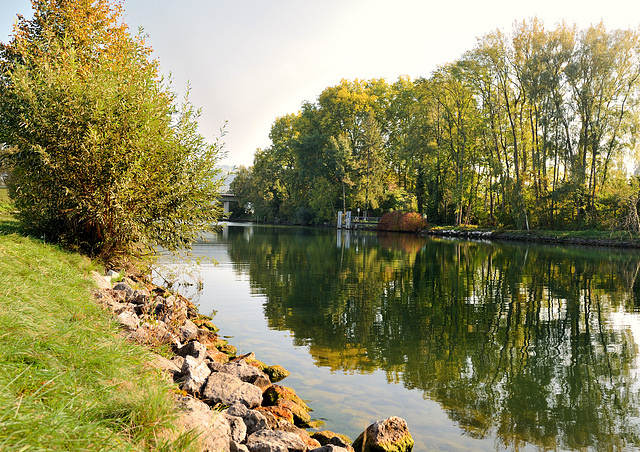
x: 339, y: 219
x: 348, y: 220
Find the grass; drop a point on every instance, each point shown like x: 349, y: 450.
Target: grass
x: 68, y: 380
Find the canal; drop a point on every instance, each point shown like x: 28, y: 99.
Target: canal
x: 477, y: 345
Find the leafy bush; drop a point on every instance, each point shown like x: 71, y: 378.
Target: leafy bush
x: 402, y: 222
x: 99, y: 156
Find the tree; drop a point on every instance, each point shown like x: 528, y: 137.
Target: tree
x: 100, y: 156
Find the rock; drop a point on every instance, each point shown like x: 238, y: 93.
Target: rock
x: 238, y: 428
x: 330, y: 448
x: 124, y: 288
x: 277, y: 392
x: 342, y: 442
x: 279, y: 412
x: 205, y: 322
x: 227, y: 389
x: 100, y: 280
x: 217, y: 356
x: 275, y: 441
x: 129, y: 320
x: 228, y: 349
x: 301, y: 416
x: 235, y: 447
x: 195, y: 375
x: 187, y: 331
x: 212, y: 427
x: 276, y: 373
x: 113, y: 274
x: 271, y: 419
x: 245, y: 372
x: 140, y: 296
x: 324, y: 437
x: 262, y: 382
x: 286, y: 426
x: 194, y: 349
x: 153, y: 335
x: 254, y: 420
x: 388, y: 435
x: 166, y: 366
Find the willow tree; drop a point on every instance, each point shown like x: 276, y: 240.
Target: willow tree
x: 100, y: 156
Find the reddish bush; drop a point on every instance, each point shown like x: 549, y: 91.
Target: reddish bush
x: 404, y: 222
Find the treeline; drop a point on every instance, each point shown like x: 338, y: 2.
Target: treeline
x: 532, y: 129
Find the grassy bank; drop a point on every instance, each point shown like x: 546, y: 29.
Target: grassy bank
x: 68, y: 380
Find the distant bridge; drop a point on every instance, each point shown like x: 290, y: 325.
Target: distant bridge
x: 226, y: 199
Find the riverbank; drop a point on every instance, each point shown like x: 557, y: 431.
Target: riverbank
x: 74, y: 378
x: 618, y: 239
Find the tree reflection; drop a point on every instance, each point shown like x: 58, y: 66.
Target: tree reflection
x: 515, y: 342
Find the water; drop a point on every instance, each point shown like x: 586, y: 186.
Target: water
x: 478, y: 346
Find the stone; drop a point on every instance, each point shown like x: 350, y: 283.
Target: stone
x: 275, y: 441
x: 262, y: 382
x: 124, y: 288
x: 195, y: 375
x: 101, y: 281
x: 286, y: 426
x: 330, y: 448
x: 166, y: 366
x: 235, y: 447
x: 387, y: 435
x: 301, y: 416
x: 212, y: 427
x: 342, y: 442
x: 279, y: 412
x: 238, y: 428
x: 188, y: 331
x: 277, y: 392
x: 129, y: 320
x: 227, y: 389
x: 276, y: 373
x: 326, y: 437
x: 244, y: 371
x: 194, y: 349
x: 139, y: 296
x: 271, y: 419
x: 217, y: 356
x: 254, y: 420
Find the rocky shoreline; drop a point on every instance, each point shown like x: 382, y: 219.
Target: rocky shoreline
x: 524, y: 237
x: 230, y: 403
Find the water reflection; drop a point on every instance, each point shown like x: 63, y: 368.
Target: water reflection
x: 522, y: 344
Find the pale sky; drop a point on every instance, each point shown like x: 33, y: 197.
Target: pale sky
x: 251, y: 61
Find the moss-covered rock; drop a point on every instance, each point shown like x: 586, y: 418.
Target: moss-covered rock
x: 202, y: 321
x: 324, y: 436
x: 276, y: 373
x: 277, y: 392
x: 388, y: 435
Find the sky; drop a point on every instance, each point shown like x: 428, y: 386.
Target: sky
x: 249, y: 62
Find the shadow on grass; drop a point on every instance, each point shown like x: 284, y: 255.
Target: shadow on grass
x: 10, y: 225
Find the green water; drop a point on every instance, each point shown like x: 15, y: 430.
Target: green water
x: 478, y: 346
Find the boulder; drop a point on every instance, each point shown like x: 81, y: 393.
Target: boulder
x: 195, y: 375
x: 286, y: 426
x: 275, y: 441
x: 330, y: 448
x: 238, y: 428
x: 276, y: 373
x: 235, y: 447
x: 227, y: 389
x: 277, y: 392
x: 125, y: 289
x: 326, y: 437
x: 194, y: 349
x: 301, y: 416
x: 388, y: 435
x: 166, y: 366
x: 129, y: 320
x: 100, y: 280
x: 278, y: 412
x: 211, y: 427
x: 245, y: 371
x: 253, y: 420
x: 187, y: 331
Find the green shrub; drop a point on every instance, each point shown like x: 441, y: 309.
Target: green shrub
x: 99, y: 156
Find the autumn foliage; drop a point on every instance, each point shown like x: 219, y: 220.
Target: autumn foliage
x: 402, y: 222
